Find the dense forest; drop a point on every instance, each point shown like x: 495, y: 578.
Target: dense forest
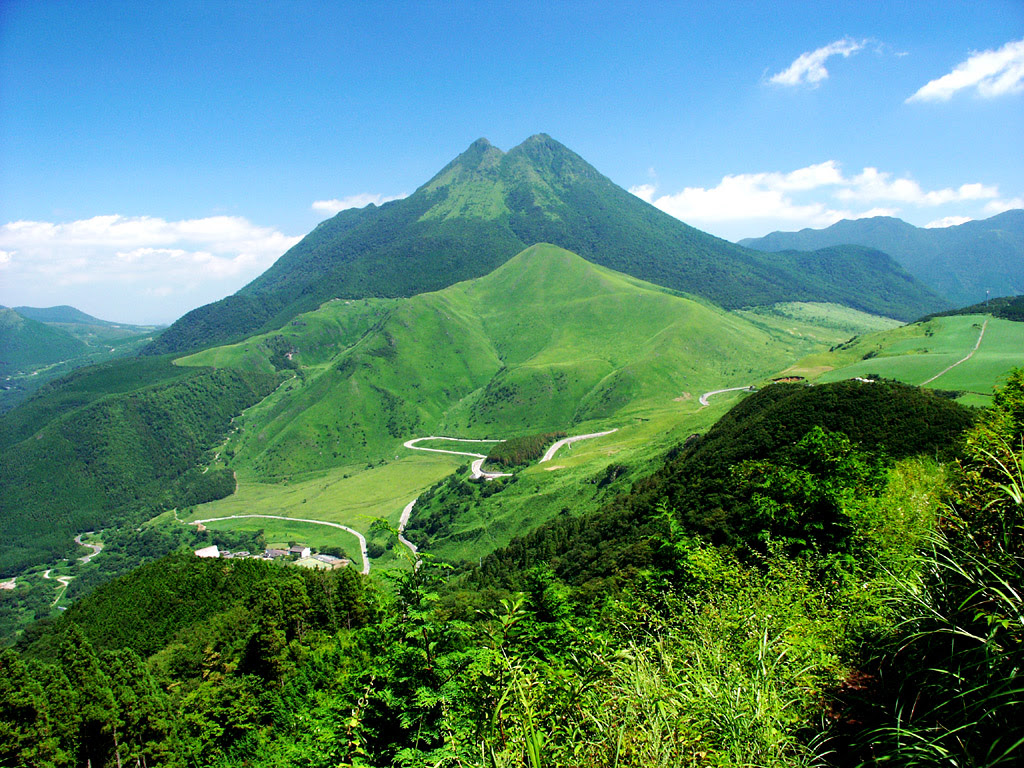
x: 829, y: 576
x: 124, y: 456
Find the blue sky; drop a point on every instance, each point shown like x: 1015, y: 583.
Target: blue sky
x: 157, y: 156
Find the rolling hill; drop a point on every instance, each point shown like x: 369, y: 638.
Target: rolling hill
x: 27, y: 344
x: 547, y: 341
x: 487, y: 205
x: 960, y: 263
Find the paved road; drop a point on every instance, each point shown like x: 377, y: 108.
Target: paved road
x: 96, y: 548
x: 569, y: 441
x: 357, y: 534
x: 404, y: 521
x: 969, y: 356
x: 475, y: 467
x: 704, y: 398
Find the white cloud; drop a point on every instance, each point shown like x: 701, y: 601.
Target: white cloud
x: 819, y: 195
x: 353, y: 201
x: 872, y: 184
x: 122, y: 258
x: 991, y: 73
x: 948, y: 221
x: 999, y: 206
x: 810, y: 67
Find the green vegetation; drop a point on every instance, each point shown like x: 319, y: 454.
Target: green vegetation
x: 120, y: 458
x: 879, y: 625
x: 961, y: 263
x: 506, y: 355
x: 918, y: 353
x: 1005, y: 307
x: 486, y: 206
x: 522, y: 450
x: 28, y: 344
x: 39, y: 345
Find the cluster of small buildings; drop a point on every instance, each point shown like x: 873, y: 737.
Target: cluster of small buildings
x: 297, y: 555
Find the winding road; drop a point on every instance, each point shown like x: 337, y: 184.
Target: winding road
x: 357, y: 534
x: 479, y: 458
x: 65, y: 580
x: 404, y: 521
x: 550, y: 453
x: 704, y: 398
x: 96, y: 548
x: 475, y: 467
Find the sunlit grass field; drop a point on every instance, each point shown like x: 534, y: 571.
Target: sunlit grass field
x: 916, y: 353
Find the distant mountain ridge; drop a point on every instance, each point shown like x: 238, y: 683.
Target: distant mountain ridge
x: 481, y: 209
x: 960, y: 263
x: 60, y: 314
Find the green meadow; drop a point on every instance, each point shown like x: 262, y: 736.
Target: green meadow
x: 916, y: 353
x: 546, y: 342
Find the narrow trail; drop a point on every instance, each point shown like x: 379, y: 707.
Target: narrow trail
x: 969, y: 356
x: 357, y: 534
x: 64, y: 580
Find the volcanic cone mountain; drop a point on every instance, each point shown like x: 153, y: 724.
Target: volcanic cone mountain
x: 487, y: 205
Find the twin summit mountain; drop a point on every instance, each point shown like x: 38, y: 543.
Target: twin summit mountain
x: 818, y: 575
x: 514, y: 292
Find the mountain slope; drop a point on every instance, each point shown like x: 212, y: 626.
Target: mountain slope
x: 28, y: 344
x: 546, y: 341
x: 960, y: 263
x: 476, y: 213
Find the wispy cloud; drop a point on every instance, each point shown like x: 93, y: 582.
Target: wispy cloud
x: 990, y: 73
x: 809, y: 68
x: 948, y: 221
x: 186, y: 262
x: 818, y: 195
x: 334, y: 206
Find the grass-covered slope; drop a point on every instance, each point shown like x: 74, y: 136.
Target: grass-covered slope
x: 960, y: 263
x: 66, y: 468
x: 39, y: 345
x: 486, y: 206
x: 703, y: 481
x: 949, y: 353
x: 27, y: 344
x: 546, y: 342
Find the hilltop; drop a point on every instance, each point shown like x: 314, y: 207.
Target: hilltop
x: 546, y: 341
x: 485, y: 206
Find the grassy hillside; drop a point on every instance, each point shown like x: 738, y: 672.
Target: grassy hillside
x: 486, y: 206
x: 26, y: 344
x: 920, y: 353
x: 38, y: 346
x: 547, y: 342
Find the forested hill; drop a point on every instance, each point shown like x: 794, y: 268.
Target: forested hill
x: 959, y: 263
x: 1006, y: 307
x: 846, y: 617
x: 484, y: 207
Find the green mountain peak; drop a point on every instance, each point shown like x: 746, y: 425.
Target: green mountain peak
x: 487, y: 205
